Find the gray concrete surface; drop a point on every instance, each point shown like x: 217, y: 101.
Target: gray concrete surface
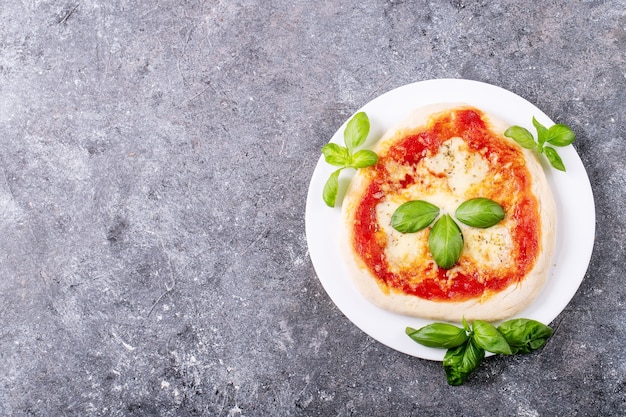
x: 155, y: 159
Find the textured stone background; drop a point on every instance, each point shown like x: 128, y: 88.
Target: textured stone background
x: 155, y: 159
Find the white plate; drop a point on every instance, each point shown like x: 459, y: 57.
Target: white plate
x: 571, y: 189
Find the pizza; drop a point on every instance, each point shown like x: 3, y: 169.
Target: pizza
x: 445, y: 155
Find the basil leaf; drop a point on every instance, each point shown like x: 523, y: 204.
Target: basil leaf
x: 331, y: 188
x: 525, y: 335
x: 554, y: 158
x: 413, y: 216
x: 560, y: 135
x: 466, y: 326
x: 363, y: 158
x: 480, y: 212
x: 445, y: 242
x: 460, y: 362
x: 356, y: 131
x: 542, y: 132
x: 438, y: 335
x: 489, y: 338
x: 335, y: 154
x: 521, y: 135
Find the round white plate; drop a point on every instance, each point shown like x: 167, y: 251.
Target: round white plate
x: 571, y: 189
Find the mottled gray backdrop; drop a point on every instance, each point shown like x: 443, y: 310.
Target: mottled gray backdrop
x: 155, y: 161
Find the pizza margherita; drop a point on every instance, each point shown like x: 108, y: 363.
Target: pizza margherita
x: 446, y: 155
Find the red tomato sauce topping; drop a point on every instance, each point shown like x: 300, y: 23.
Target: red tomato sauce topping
x: 431, y: 282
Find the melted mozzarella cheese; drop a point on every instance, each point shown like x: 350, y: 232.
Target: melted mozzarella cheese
x: 403, y: 249
x: 444, y: 179
x: 491, y: 247
x: 461, y: 167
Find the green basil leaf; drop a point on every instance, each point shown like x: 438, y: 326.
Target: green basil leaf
x: 487, y: 336
x: 521, y: 135
x: 480, y: 212
x: 413, y: 216
x: 335, y: 154
x: 525, y: 335
x: 542, y: 132
x: 356, y: 131
x: 554, y: 158
x: 460, y: 362
x: 363, y: 158
x: 438, y: 335
x: 445, y: 242
x: 331, y: 188
x: 560, y: 135
x: 466, y: 326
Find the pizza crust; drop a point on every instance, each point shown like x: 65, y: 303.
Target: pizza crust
x: 497, y: 306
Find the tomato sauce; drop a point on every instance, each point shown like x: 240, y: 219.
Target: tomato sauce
x: 436, y: 283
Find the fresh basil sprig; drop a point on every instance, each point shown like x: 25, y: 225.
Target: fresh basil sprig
x: 445, y: 240
x: 467, y: 346
x: 354, y: 135
x: 557, y: 135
